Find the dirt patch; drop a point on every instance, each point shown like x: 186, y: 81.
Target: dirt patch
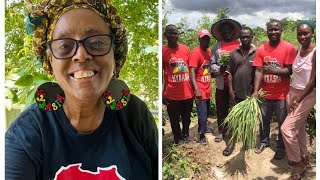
x: 207, y: 161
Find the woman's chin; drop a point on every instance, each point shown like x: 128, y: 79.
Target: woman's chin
x: 84, y: 96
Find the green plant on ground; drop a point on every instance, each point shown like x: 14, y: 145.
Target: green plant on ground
x: 175, y: 161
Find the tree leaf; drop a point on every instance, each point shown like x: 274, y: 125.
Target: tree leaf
x: 24, y: 80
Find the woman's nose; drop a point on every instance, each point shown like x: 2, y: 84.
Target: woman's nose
x: 81, y: 54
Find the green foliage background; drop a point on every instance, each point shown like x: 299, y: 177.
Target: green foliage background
x: 24, y: 74
x: 189, y: 35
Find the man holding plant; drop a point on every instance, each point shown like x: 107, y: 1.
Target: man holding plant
x: 241, y: 73
x: 226, y: 31
x: 273, y: 69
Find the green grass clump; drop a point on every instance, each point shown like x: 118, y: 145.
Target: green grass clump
x: 224, y: 60
x: 242, y: 121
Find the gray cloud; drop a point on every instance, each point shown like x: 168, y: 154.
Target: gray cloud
x: 238, y: 7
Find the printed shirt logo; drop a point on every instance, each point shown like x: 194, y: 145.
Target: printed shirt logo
x: 273, y: 62
x: 206, y: 71
x: 178, y: 65
x: 180, y: 71
x: 73, y: 171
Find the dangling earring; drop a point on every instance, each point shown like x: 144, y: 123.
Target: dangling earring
x: 49, y: 96
x: 117, y: 94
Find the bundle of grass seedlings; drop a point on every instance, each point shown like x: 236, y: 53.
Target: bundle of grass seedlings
x: 243, y: 120
x: 224, y: 59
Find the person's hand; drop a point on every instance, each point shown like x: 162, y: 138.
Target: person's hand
x: 223, y: 69
x: 294, y: 103
x: 267, y: 69
x: 198, y: 95
x: 255, y: 95
x: 232, y: 97
x: 165, y: 101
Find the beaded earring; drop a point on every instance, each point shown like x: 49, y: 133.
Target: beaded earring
x: 117, y: 94
x: 49, y: 96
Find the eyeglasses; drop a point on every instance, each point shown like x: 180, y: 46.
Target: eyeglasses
x: 96, y: 45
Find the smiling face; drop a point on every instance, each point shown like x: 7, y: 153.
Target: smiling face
x: 304, y: 35
x: 274, y: 32
x: 82, y: 77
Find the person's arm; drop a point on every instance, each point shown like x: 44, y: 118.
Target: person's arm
x: 291, y: 53
x: 231, y: 72
x: 287, y: 71
x: 215, y: 68
x: 18, y: 164
x: 311, y: 84
x: 164, y: 99
x: 257, y: 81
x: 142, y: 125
x: 232, y: 96
x: 194, y: 83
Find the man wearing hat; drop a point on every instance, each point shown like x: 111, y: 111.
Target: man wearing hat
x: 226, y: 31
x: 199, y: 64
x: 177, y: 90
x: 273, y: 63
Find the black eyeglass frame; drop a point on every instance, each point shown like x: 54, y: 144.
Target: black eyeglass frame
x: 81, y: 41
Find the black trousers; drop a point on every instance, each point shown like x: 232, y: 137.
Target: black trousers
x: 222, y: 105
x: 177, y: 109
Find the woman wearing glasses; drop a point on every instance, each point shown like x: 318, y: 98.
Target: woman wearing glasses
x: 87, y: 125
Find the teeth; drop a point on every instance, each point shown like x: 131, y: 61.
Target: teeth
x: 83, y: 74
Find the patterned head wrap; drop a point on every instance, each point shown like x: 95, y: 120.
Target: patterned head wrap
x: 43, y: 19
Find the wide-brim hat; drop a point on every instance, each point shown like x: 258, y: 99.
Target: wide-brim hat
x: 215, y: 28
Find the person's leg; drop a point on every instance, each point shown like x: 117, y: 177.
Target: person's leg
x: 219, y: 106
x: 293, y: 128
x: 202, y: 119
x: 266, y: 111
x: 310, y: 101
x: 202, y: 116
x: 230, y: 147
x: 302, y: 139
x: 264, y: 131
x: 174, y: 116
x: 186, y: 114
x: 225, y: 103
x: 280, y: 109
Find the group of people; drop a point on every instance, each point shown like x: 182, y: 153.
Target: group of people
x: 187, y: 78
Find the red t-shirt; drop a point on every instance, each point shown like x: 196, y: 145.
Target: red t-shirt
x: 226, y: 48
x: 276, y: 87
x: 200, y: 60
x: 177, y: 84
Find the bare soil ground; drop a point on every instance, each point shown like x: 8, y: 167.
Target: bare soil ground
x: 239, y: 165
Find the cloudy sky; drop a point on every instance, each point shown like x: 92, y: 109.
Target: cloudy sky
x: 251, y: 12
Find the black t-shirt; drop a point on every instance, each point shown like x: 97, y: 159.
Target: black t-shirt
x: 44, y: 145
x: 242, y: 71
